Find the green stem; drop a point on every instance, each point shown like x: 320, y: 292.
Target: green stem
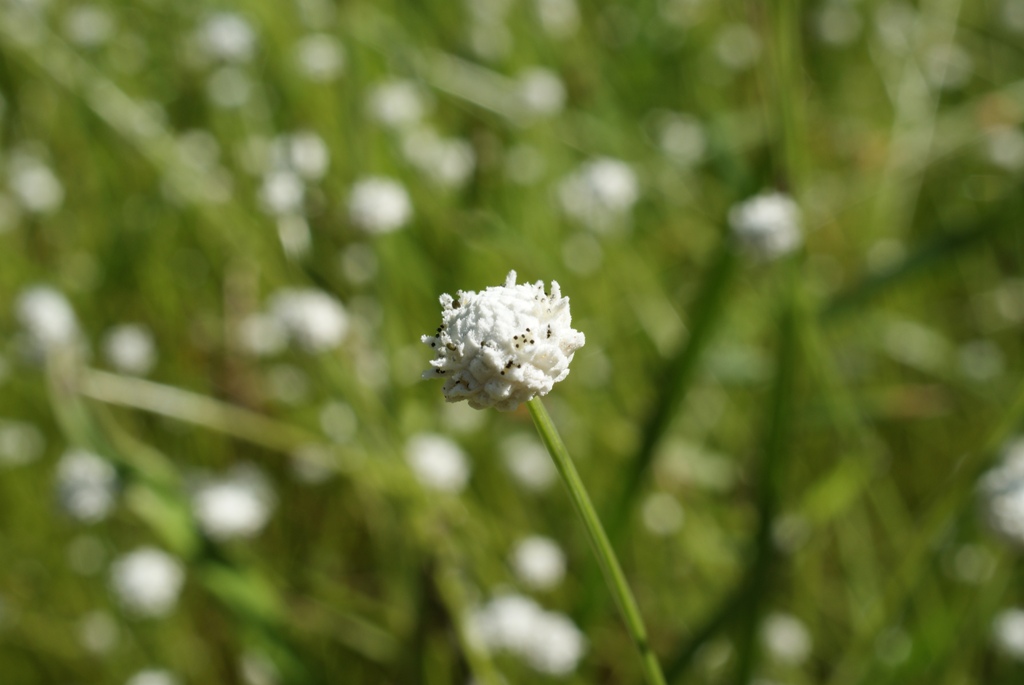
x: 609, y: 563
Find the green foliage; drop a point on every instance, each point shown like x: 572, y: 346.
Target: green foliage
x: 802, y: 435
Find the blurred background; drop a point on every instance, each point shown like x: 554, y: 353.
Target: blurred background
x: 228, y: 223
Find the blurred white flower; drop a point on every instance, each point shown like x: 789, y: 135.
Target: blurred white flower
x: 948, y: 66
x: 681, y: 138
x: 237, y: 505
x: 88, y: 26
x: 1012, y: 15
x: 307, y: 154
x: 558, y: 18
x: 504, y: 345
x: 258, y: 669
x: 229, y: 87
x: 379, y: 205
x: 1002, y: 494
x: 227, y: 36
x: 20, y: 443
x: 262, y: 335
x: 838, y: 23
x: 1004, y: 147
x: 130, y: 348
x: 600, y: 194
x: 398, y: 103
x: 541, y: 91
x: 786, y: 638
x: 358, y: 263
x: 338, y: 422
x: 1008, y: 632
x: 33, y: 183
x: 315, y: 321
x: 548, y: 641
x: 147, y: 582
x: 282, y: 193
x: 538, y: 562
x: 153, y: 676
x: 738, y: 46
x: 320, y: 57
x: 448, y: 162
x: 767, y: 225
x: 662, y: 515
x: 437, y: 462
x: 86, y: 485
x: 528, y: 462
x: 47, y: 317
x: 98, y: 632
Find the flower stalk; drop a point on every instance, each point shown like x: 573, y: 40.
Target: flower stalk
x: 602, y: 547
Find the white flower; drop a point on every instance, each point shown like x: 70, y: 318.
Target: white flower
x: 47, y: 316
x: 34, y: 184
x: 768, y: 224
x: 1002, y: 491
x: 98, y: 632
x: 504, y: 345
x: 86, y: 485
x: 559, y: 18
x: 282, y: 193
x: 147, y: 581
x: 600, y: 193
x: 538, y: 562
x: 88, y: 26
x: 786, y: 638
x: 379, y: 205
x: 262, y: 335
x: 398, y: 103
x: 548, y: 641
x: 541, y: 91
x: 437, y: 462
x: 528, y: 462
x: 320, y: 57
x: 236, y: 506
x: 448, y: 162
x: 228, y: 37
x: 315, y: 321
x: 20, y: 443
x: 1008, y: 631
x: 153, y: 676
x: 662, y: 514
x: 129, y: 348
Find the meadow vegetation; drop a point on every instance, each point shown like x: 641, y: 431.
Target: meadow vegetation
x: 791, y: 232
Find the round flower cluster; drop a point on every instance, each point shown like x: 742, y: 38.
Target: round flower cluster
x: 1002, y: 494
x: 504, y: 345
x: 768, y: 225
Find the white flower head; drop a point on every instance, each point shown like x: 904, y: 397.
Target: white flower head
x: 86, y: 485
x: 314, y: 320
x: 130, y: 349
x: 237, y: 506
x: 379, y: 205
x: 1002, y: 494
x: 504, y: 345
x: 547, y: 640
x: 538, y: 562
x: 600, y: 194
x: 47, y: 316
x: 147, y: 581
x: 1008, y: 632
x: 768, y: 224
x: 786, y: 638
x: 437, y: 462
